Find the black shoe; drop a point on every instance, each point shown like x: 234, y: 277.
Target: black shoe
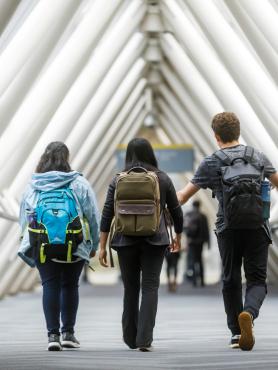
x: 69, y: 341
x: 235, y: 341
x: 54, y: 343
x: 146, y: 349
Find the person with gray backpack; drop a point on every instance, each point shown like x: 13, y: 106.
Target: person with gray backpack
x: 137, y: 200
x: 60, y: 232
x: 236, y: 175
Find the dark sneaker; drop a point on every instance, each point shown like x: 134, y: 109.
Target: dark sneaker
x: 54, y: 343
x: 69, y: 341
x: 146, y: 349
x: 247, y: 339
x: 235, y: 341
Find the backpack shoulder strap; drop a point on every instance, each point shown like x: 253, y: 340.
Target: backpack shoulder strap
x: 259, y: 163
x: 168, y: 223
x: 249, y: 153
x: 220, y: 154
x: 111, y: 234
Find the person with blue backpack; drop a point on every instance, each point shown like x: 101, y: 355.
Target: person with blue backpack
x: 59, y: 218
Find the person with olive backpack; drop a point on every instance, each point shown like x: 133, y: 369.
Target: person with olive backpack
x: 137, y: 197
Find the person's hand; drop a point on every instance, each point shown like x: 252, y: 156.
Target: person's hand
x: 176, y: 245
x: 93, y: 253
x: 103, y: 257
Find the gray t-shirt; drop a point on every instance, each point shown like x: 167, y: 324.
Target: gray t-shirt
x: 208, y: 176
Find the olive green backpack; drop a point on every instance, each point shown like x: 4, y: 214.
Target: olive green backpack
x: 137, y: 203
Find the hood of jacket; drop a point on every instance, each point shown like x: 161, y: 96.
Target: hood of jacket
x: 52, y: 180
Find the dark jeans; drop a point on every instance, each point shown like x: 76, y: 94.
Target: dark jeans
x: 172, y: 260
x: 196, y: 250
x: 251, y: 248
x: 60, y: 294
x: 138, y: 324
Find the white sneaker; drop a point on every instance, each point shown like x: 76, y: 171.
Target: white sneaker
x: 234, y: 343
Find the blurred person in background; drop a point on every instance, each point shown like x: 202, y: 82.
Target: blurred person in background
x: 197, y: 233
x: 172, y: 262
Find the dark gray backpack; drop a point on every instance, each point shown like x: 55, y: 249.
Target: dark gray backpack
x: 241, y: 179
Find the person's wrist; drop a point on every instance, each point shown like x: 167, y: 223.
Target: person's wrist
x: 182, y: 197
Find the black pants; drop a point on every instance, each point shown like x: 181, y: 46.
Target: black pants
x: 195, y: 251
x: 137, y: 260
x: 60, y: 294
x: 172, y: 260
x: 251, y: 248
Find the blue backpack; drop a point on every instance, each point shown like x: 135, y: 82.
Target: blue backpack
x: 56, y: 230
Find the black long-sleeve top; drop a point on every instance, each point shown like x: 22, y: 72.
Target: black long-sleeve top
x: 168, y: 198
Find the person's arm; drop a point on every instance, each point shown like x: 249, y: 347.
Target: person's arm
x: 22, y: 211
x: 22, y: 215
x: 176, y: 213
x: 103, y: 253
x: 106, y: 220
x: 270, y: 171
x: 202, y: 179
x: 274, y: 179
x: 187, y: 192
x: 89, y: 208
x: 176, y: 246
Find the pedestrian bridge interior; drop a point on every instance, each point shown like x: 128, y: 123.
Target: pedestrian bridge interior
x: 96, y: 73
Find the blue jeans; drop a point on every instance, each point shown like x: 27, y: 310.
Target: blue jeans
x: 60, y: 294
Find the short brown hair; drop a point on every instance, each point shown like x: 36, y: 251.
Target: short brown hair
x: 227, y: 126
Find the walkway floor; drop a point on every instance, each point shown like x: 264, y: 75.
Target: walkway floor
x: 190, y: 334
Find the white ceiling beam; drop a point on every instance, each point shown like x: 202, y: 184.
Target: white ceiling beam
x: 131, y: 123
x: 65, y: 123
x: 219, y: 79
x: 268, y: 23
x: 45, y: 96
x: 108, y: 86
x: 113, y: 128
x: 109, y: 170
x: 196, y: 85
x: 239, y: 60
x: 192, y: 116
x: 31, y: 33
x: 98, y: 130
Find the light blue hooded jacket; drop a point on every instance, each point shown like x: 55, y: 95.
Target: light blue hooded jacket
x: 85, y: 203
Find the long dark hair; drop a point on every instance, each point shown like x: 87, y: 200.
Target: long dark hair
x: 139, y: 152
x: 54, y: 158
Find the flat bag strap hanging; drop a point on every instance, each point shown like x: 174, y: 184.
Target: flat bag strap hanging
x: 169, y: 223
x: 111, y: 234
